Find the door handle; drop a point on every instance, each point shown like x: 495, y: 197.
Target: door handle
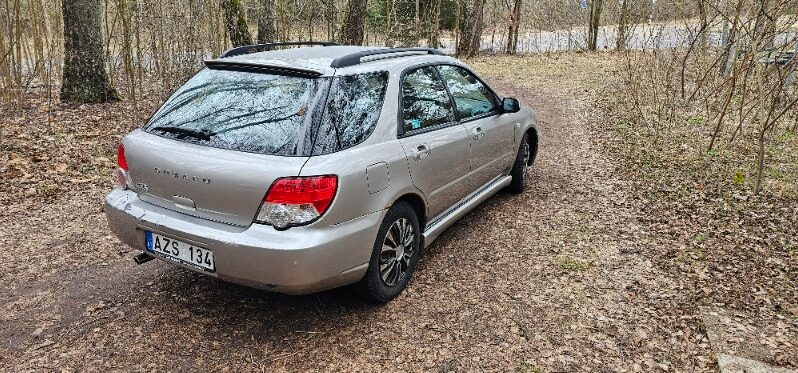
x: 421, y: 152
x: 478, y: 133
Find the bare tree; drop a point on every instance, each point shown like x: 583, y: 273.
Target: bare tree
x: 513, y: 25
x: 703, y: 36
x: 623, y: 26
x: 267, y: 30
x: 593, y: 27
x: 471, y: 32
x: 352, y: 32
x: 236, y: 23
x: 85, y: 78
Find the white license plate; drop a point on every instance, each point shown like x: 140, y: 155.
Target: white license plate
x: 181, y: 252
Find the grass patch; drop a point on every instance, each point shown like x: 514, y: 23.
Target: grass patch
x: 528, y: 368
x: 570, y: 264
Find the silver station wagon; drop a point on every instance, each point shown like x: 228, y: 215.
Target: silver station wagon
x: 316, y: 166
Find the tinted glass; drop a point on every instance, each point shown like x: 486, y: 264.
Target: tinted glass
x: 471, y: 97
x: 247, y: 111
x: 353, y: 108
x: 425, y: 102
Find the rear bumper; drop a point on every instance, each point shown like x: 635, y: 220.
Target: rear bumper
x: 295, y: 261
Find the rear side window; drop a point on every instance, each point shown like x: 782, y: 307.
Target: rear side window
x: 246, y: 111
x: 425, y: 102
x: 471, y: 97
x: 354, y: 104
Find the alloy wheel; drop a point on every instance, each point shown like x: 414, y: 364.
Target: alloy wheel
x: 397, y: 250
x: 526, y: 160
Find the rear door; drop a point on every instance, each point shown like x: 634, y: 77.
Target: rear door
x: 436, y: 145
x: 491, y: 133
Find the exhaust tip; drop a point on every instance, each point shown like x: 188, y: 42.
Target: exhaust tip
x: 142, y: 258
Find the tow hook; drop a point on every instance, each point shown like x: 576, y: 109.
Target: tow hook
x: 142, y: 258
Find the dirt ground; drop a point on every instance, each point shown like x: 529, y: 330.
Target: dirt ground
x: 568, y: 276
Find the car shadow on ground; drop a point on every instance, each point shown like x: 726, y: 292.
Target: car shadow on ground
x: 214, y: 305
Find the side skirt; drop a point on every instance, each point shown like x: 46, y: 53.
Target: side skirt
x: 437, y: 226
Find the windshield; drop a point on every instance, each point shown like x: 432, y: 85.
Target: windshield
x: 246, y: 111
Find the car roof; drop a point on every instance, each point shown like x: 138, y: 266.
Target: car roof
x: 320, y: 58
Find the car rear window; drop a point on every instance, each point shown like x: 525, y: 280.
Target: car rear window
x: 266, y: 113
x: 238, y: 110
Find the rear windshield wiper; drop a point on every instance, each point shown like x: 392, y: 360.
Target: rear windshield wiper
x: 203, y: 134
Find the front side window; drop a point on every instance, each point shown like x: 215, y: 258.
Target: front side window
x: 237, y: 110
x: 471, y: 97
x: 425, y: 102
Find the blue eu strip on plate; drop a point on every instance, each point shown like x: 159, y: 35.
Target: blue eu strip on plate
x: 148, y: 236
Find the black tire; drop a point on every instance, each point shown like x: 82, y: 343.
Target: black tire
x: 520, y: 166
x: 373, y: 286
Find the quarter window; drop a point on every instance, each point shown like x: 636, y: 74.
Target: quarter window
x: 471, y: 97
x: 425, y: 102
x: 354, y: 104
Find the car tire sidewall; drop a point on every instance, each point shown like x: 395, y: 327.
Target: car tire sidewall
x: 519, y: 167
x: 371, y: 286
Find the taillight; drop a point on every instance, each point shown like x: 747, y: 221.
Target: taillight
x: 297, y: 200
x: 122, y: 177
x: 120, y: 157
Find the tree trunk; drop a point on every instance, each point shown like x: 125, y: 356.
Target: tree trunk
x: 267, y: 32
x: 593, y: 27
x: 417, y: 21
x: 331, y: 17
x: 620, y: 40
x: 236, y: 23
x: 766, y: 23
x: 352, y: 32
x: 435, y: 25
x: 512, y: 28
x: 85, y: 78
x: 471, y: 31
x: 702, y: 35
x: 791, y: 74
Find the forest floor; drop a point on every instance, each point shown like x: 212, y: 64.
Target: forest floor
x: 594, y: 268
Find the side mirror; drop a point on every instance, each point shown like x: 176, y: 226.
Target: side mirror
x: 510, y: 105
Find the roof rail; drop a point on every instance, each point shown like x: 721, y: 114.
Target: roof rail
x: 262, y: 47
x: 355, y: 58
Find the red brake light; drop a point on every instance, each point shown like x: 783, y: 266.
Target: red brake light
x: 297, y: 200
x: 318, y: 191
x: 120, y: 157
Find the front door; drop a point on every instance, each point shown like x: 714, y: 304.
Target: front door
x: 491, y: 133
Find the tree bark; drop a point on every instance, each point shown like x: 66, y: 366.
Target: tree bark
x: 236, y: 23
x: 702, y: 34
x: 620, y: 40
x: 267, y: 32
x: 512, y: 28
x: 352, y: 32
x: 593, y: 27
x: 85, y: 78
x: 471, y: 31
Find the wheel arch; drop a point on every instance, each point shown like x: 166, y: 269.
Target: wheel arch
x: 532, y: 140
x: 419, y: 206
